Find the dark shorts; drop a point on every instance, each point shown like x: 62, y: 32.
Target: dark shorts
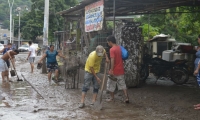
x: 88, y: 79
x: 8, y: 63
x: 52, y: 67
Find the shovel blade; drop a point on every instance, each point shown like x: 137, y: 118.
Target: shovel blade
x: 19, y: 80
x: 99, y: 103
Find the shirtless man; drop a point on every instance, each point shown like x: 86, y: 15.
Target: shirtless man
x: 3, y: 66
x: 7, y: 62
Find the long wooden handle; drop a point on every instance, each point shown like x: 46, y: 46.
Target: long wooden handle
x: 104, y: 76
x: 11, y: 64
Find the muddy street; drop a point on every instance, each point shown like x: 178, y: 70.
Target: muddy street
x: 34, y: 99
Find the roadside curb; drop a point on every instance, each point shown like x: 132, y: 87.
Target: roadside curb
x: 32, y: 86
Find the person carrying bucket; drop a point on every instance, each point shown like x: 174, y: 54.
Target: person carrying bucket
x: 3, y: 66
x: 52, y: 64
x: 6, y: 73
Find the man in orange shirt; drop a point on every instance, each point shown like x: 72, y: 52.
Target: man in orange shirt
x: 116, y: 70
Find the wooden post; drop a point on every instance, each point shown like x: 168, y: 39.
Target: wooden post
x: 83, y: 33
x: 78, y: 36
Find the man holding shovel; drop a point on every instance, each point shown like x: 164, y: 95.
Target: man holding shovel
x: 92, y: 68
x: 116, y: 70
x: 3, y: 66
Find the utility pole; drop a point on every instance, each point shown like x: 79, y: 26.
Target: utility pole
x: 46, y: 23
x: 13, y: 24
x: 114, y: 9
x: 10, y: 6
x: 45, y: 32
x: 19, y: 10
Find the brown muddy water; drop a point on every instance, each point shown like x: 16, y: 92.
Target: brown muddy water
x: 161, y: 101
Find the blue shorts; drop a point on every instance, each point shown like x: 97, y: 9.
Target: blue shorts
x: 52, y: 67
x: 198, y: 78
x: 88, y: 79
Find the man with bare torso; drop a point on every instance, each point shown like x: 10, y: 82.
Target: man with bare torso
x: 7, y: 48
x: 3, y: 66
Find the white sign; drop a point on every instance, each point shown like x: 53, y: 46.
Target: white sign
x: 94, y: 15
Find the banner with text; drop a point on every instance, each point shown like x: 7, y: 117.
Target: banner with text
x: 94, y: 15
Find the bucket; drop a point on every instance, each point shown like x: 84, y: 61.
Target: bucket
x: 12, y: 73
x: 39, y: 65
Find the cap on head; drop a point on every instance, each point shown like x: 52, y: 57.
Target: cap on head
x: 99, y: 50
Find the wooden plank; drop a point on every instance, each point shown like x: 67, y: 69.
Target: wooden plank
x: 83, y: 33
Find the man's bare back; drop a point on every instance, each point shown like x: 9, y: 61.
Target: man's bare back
x: 6, y: 56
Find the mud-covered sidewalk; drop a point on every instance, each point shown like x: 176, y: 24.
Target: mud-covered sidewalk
x: 35, y: 99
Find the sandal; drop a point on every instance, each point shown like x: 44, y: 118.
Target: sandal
x: 197, y: 108
x: 198, y: 105
x: 127, y: 100
x: 92, y: 103
x: 55, y: 80
x: 82, y: 105
x: 10, y: 81
x: 110, y: 100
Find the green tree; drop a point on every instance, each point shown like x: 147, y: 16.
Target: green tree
x: 148, y: 31
x: 33, y: 26
x: 6, y: 23
x: 5, y: 10
x: 181, y: 22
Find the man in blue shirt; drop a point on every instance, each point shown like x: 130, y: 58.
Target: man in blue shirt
x: 52, y: 64
x: 13, y: 46
x: 6, y: 73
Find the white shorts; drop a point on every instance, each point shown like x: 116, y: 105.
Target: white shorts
x: 3, y: 65
x: 31, y: 59
x: 120, y: 83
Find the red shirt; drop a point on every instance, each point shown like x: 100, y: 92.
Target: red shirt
x: 115, y: 52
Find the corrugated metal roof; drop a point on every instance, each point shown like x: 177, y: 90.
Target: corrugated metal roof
x: 77, y: 8
x: 131, y: 7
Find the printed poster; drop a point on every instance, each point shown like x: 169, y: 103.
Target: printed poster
x: 94, y: 16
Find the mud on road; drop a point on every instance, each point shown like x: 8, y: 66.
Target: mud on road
x: 161, y: 101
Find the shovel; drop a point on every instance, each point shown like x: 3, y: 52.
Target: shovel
x: 15, y: 71
x: 98, y: 104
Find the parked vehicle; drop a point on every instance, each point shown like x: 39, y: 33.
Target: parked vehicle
x: 175, y: 71
x: 23, y: 48
x: 1, y: 46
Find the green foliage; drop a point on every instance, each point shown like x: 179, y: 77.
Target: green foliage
x: 32, y: 26
x: 5, y: 10
x: 148, y: 31
x: 109, y: 25
x: 181, y: 22
x: 6, y: 23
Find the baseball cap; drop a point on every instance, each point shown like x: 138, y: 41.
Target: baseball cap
x: 99, y: 50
